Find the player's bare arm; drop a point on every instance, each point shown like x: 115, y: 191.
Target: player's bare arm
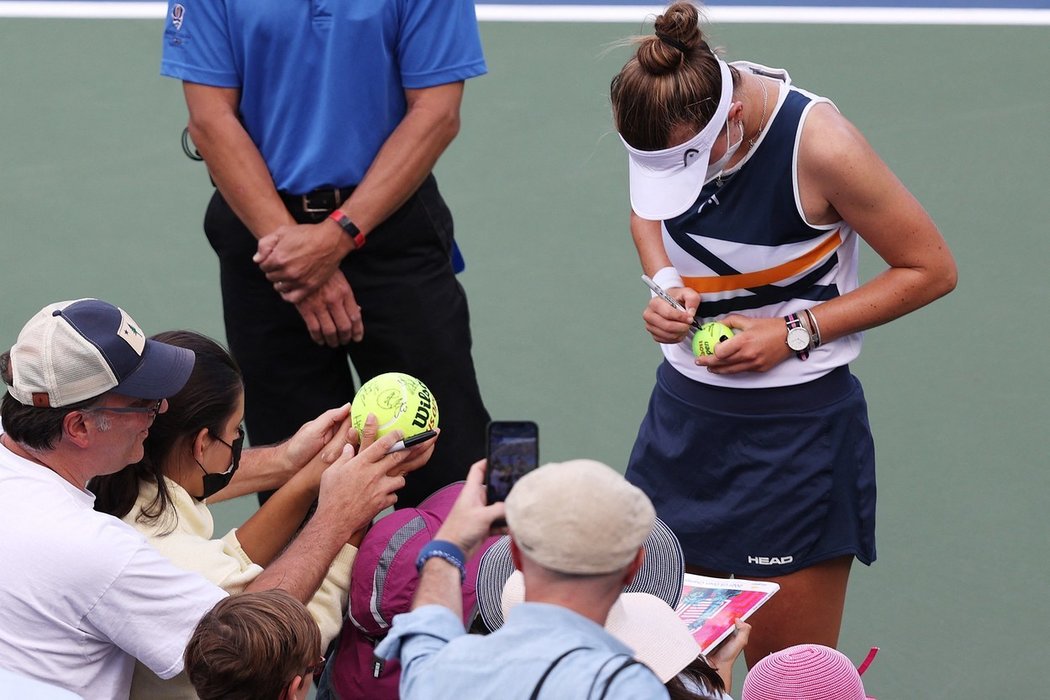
x: 649, y: 244
x: 841, y: 177
x: 662, y: 321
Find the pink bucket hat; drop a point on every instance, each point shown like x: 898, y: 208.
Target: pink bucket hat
x: 804, y: 672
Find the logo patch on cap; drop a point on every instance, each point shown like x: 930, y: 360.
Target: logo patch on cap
x: 131, y: 334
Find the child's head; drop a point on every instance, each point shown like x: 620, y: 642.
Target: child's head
x: 255, y: 646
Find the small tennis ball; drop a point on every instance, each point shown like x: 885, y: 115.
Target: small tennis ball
x: 399, y: 401
x: 710, y: 335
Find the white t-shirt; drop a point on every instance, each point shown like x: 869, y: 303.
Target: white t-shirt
x: 82, y: 595
x: 17, y: 686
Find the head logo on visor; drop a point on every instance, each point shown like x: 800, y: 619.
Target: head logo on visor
x: 665, y: 183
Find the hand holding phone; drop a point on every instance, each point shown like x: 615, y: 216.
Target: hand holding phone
x: 513, y: 451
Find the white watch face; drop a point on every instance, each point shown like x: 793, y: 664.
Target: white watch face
x: 798, y: 339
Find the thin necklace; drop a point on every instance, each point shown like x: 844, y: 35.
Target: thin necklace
x: 762, y: 124
x: 751, y: 141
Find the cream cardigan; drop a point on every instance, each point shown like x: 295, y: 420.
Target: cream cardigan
x: 223, y: 562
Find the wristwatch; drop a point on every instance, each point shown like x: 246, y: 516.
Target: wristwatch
x: 798, y: 338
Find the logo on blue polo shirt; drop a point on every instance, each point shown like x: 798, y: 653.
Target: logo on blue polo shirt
x: 177, y: 14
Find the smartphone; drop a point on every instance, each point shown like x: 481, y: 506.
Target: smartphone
x: 513, y: 451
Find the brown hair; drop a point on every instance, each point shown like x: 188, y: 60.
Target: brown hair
x: 673, y: 78
x: 35, y: 427
x: 250, y: 646
x: 704, y: 683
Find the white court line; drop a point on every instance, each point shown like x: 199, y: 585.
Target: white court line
x: 608, y: 13
x: 85, y: 10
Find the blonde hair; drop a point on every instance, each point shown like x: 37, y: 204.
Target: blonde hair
x: 250, y: 646
x: 672, y: 79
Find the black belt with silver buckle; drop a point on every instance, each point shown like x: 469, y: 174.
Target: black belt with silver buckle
x: 319, y: 203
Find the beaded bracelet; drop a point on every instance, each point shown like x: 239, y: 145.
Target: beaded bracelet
x: 443, y: 550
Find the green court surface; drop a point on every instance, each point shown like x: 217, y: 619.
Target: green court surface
x: 98, y: 200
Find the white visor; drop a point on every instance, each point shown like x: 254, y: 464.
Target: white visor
x: 665, y: 183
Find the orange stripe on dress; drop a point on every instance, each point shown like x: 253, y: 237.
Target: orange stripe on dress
x: 760, y: 278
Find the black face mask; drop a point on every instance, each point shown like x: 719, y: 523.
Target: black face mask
x: 213, y: 483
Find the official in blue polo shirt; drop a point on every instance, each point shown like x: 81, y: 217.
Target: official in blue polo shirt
x: 320, y: 123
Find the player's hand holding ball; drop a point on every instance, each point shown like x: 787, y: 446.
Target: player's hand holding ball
x: 709, y: 336
x: 757, y: 345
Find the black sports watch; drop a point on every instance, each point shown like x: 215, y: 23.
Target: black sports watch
x: 798, y: 338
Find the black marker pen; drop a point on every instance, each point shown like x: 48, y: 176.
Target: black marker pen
x: 412, y: 441
x: 659, y: 291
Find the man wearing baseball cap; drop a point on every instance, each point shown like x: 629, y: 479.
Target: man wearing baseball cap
x: 82, y: 594
x: 576, y: 531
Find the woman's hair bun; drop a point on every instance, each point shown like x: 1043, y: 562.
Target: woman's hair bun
x: 677, y: 35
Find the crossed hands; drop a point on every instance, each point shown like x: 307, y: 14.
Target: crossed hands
x: 298, y: 258
x: 302, y: 263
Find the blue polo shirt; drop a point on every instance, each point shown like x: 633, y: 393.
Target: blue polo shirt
x: 322, y: 83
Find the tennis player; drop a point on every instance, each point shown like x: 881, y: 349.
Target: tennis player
x: 750, y: 197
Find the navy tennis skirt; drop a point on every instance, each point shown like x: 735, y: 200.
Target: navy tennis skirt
x: 760, y: 482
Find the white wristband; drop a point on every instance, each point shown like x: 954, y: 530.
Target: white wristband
x: 668, y: 278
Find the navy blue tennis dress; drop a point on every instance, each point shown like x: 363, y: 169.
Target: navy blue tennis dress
x: 761, y: 474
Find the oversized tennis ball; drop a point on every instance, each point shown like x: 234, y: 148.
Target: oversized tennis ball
x: 399, y: 401
x: 710, y: 334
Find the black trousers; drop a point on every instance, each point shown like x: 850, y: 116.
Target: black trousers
x: 416, y: 321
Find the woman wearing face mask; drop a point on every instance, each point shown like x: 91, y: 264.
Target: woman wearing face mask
x: 750, y: 197
x: 192, y: 452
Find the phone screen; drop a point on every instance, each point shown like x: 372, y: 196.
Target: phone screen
x: 513, y: 450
